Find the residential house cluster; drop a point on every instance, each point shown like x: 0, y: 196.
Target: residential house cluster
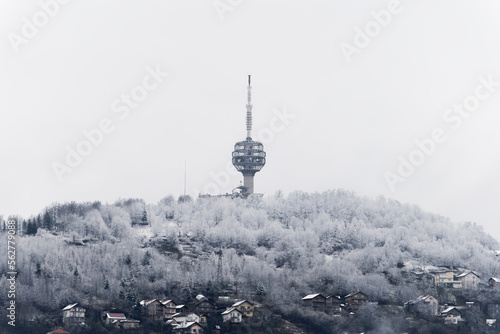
x: 119, y: 320
x: 335, y: 304
x: 448, y: 278
x: 183, y: 320
x: 427, y: 306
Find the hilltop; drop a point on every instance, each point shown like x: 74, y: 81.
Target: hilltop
x: 273, y: 250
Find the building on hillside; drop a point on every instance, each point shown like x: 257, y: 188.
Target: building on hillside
x: 154, y: 309
x: 203, y: 306
x: 188, y: 328
x: 181, y: 309
x: 233, y: 315
x: 127, y: 324
x: 446, y: 278
x: 73, y: 314
x: 354, y: 300
x: 170, y: 307
x: 451, y: 315
x: 469, y: 280
x: 334, y: 303
x: 423, y: 305
x: 111, y: 317
x: 186, y: 317
x: 315, y: 301
x: 245, y: 307
x: 494, y: 283
x: 58, y: 331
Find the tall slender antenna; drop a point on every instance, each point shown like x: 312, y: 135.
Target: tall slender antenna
x: 249, y: 110
x: 184, y: 179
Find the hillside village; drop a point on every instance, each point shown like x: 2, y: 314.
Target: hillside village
x: 306, y: 263
x: 225, y: 314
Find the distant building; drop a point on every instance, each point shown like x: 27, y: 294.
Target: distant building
x: 354, y: 300
x: 155, y: 311
x: 128, y: 323
x: 186, y: 317
x: 232, y: 315
x: 73, y: 314
x: 446, y: 278
x: 188, y: 328
x: 315, y: 301
x: 494, y: 283
x: 334, y: 303
x: 451, y: 315
x: 469, y: 280
x: 111, y: 317
x: 245, y: 307
x: 425, y: 304
x: 170, y: 307
x: 203, y: 306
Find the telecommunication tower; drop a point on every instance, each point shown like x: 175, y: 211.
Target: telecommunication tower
x: 248, y: 155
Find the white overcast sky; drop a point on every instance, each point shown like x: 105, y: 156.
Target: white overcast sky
x: 352, y: 120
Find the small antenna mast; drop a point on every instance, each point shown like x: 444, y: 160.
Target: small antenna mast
x: 249, y: 109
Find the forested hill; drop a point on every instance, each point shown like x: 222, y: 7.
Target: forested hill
x: 276, y: 248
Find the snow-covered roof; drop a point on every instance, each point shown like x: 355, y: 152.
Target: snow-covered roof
x: 449, y: 309
x: 166, y: 301
x: 146, y: 302
x: 495, y: 279
x: 353, y: 293
x: 230, y: 310
x: 69, y: 307
x: 467, y: 273
x: 186, y: 325
x: 241, y: 302
x: 311, y: 296
x: 117, y: 316
x: 201, y: 297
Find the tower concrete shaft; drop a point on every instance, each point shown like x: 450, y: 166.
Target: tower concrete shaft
x: 248, y: 182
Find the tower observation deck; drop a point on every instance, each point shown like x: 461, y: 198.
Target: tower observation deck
x: 248, y: 155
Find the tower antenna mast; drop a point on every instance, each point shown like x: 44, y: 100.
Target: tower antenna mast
x: 249, y: 109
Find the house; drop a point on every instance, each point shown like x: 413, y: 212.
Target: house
x: 469, y: 280
x: 334, y: 303
x: 355, y: 299
x: 232, y: 315
x: 170, y: 307
x: 127, y: 324
x: 111, y: 317
x: 188, y: 328
x: 203, y: 306
x: 245, y: 307
x: 155, y: 311
x: 73, y: 314
x: 494, y: 283
x: 186, y: 317
x: 451, y: 315
x: 315, y: 301
x: 446, y: 278
x: 58, y: 331
x: 181, y: 309
x: 425, y: 304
